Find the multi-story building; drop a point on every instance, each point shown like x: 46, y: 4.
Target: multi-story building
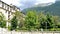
x: 7, y: 10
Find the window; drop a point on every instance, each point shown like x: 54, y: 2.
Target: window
x: 9, y: 12
x: 10, y: 9
x: 7, y: 7
x: 4, y: 6
x: 0, y: 4
x: 13, y: 8
x: 8, y: 17
x: 6, y: 12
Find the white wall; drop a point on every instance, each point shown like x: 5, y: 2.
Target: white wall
x: 4, y: 12
x: 6, y: 15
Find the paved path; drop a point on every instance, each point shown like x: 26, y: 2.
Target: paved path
x: 5, y: 31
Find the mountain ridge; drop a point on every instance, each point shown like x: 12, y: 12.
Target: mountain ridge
x: 54, y: 9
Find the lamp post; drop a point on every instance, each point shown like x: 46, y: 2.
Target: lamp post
x: 46, y: 26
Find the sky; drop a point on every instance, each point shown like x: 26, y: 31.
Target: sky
x: 22, y: 4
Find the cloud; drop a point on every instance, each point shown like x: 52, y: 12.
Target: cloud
x: 44, y: 1
x: 26, y: 3
x: 30, y: 3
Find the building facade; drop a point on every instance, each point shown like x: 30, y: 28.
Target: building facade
x: 7, y: 10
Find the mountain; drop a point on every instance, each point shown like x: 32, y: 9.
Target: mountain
x: 53, y: 9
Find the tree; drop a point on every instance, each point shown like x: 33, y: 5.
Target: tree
x: 20, y: 19
x: 46, y: 21
x: 30, y: 20
x: 56, y: 21
x: 2, y: 21
x: 49, y: 21
x: 42, y: 20
x: 14, y: 23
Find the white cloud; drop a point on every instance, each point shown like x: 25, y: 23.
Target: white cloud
x: 44, y: 1
x: 26, y: 3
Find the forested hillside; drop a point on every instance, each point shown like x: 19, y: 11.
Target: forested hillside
x: 53, y: 9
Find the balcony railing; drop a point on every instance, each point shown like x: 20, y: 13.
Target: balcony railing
x: 8, y: 7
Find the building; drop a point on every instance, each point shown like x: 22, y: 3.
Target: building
x: 7, y: 10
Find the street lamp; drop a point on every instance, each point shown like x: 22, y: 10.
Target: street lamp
x: 46, y: 26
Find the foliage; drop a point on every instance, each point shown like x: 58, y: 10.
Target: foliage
x: 20, y: 20
x: 2, y: 21
x: 31, y: 20
x: 13, y: 23
x: 47, y: 21
x: 34, y: 21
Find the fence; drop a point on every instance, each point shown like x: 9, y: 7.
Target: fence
x: 4, y: 31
